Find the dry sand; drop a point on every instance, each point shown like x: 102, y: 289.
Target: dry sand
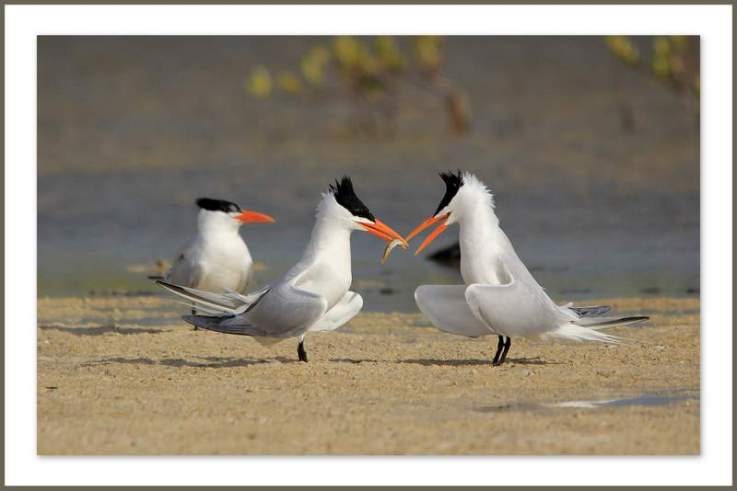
x: 121, y: 375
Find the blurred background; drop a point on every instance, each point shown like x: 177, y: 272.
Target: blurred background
x: 589, y: 144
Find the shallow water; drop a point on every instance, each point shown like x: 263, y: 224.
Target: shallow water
x: 132, y: 130
x: 656, y: 398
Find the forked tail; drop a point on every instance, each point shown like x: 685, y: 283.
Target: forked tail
x: 603, y: 322
x: 587, y: 329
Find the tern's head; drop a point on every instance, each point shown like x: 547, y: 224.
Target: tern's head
x: 228, y: 214
x: 463, y: 194
x: 342, y: 204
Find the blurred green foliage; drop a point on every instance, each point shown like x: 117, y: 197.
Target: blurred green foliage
x: 313, y: 65
x: 259, y: 82
x: 623, y: 48
x: 370, y: 70
x: 389, y: 55
x: 674, y: 60
x: 429, y: 54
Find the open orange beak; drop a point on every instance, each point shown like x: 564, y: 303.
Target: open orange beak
x: 433, y: 235
x: 383, y: 231
x: 254, y: 217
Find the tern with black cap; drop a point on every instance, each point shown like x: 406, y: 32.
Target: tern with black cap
x: 500, y: 297
x: 314, y: 295
x: 217, y: 259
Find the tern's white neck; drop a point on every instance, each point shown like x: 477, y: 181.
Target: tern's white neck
x: 481, y: 240
x: 330, y: 240
x: 325, y: 267
x: 487, y: 255
x: 216, y: 225
x: 331, y: 235
x: 479, y: 226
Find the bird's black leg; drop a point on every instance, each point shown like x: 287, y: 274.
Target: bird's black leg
x: 301, y: 352
x: 499, y: 348
x: 507, y: 345
x: 194, y: 312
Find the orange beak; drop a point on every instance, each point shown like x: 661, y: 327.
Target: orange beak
x: 383, y: 231
x: 433, y: 235
x: 254, y: 217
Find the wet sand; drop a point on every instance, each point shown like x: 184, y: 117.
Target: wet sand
x: 123, y: 375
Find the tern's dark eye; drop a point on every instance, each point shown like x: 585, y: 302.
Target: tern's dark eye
x: 218, y: 205
x: 346, y: 197
x: 453, y: 183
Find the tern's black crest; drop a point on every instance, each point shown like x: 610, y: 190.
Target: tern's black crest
x: 346, y: 197
x: 453, y: 183
x: 217, y: 205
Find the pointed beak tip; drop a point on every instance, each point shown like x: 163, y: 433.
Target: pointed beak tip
x: 434, y: 234
x: 384, y: 232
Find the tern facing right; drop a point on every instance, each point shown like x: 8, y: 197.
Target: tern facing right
x: 500, y: 297
x: 217, y: 259
x: 312, y: 296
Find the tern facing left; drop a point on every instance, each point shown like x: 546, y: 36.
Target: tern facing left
x: 500, y: 297
x: 312, y: 296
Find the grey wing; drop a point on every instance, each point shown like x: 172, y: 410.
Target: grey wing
x: 346, y: 309
x: 185, y: 271
x: 217, y: 324
x: 593, y: 311
x: 447, y: 308
x: 281, y: 312
x: 287, y: 310
x: 515, y: 308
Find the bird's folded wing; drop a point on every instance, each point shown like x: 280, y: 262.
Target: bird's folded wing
x: 280, y: 312
x: 447, y: 309
x: 284, y: 311
x: 238, y: 326
x: 247, y: 299
x: 185, y: 271
x: 346, y: 309
x: 513, y: 309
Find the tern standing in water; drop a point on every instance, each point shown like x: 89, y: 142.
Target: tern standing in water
x: 313, y: 295
x: 500, y: 297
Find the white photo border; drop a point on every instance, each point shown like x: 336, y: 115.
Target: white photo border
x: 23, y: 23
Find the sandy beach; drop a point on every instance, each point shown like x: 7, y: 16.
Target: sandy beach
x: 123, y: 375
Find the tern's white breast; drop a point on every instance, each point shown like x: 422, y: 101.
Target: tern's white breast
x: 481, y: 245
x: 325, y: 268
x: 225, y: 264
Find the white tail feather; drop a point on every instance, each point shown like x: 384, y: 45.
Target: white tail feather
x: 603, y: 322
x: 572, y: 332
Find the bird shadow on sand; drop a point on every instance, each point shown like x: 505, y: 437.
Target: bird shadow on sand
x: 459, y: 363
x: 353, y: 361
x: 208, y: 362
x: 450, y: 363
x: 100, y: 330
